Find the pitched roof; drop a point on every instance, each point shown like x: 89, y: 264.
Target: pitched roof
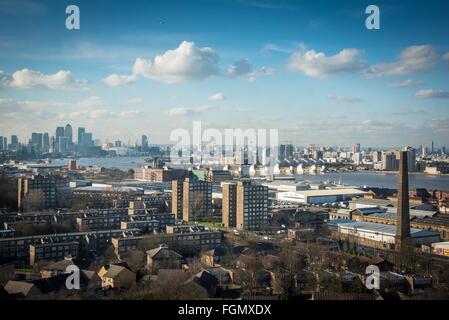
x: 343, y: 296
x: 114, y: 271
x: 59, y: 265
x: 51, y: 284
x: 163, y: 253
x: 206, y: 279
x: 88, y: 274
x: 14, y: 287
x: 216, y: 252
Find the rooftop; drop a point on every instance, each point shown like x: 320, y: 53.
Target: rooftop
x: 379, y: 228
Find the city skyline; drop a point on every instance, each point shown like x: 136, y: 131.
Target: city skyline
x: 312, y: 71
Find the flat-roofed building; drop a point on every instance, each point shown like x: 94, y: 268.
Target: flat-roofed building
x: 320, y: 196
x: 159, y: 174
x: 377, y: 235
x: 144, y: 225
x: 104, y: 196
x: 197, y: 200
x: 38, y: 192
x: 19, y: 247
x: 218, y: 175
x: 229, y: 204
x: 177, y: 198
x: 190, y: 238
x: 251, y: 206
x: 53, y: 251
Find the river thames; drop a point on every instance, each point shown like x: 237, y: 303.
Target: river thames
x: 359, y: 179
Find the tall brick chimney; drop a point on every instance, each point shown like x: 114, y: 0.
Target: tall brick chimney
x: 403, y: 214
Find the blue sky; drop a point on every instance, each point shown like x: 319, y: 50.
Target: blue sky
x: 310, y: 69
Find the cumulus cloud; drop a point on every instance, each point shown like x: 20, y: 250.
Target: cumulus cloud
x: 410, y: 60
x: 177, y: 112
x: 186, y: 62
x: 432, y: 94
x: 217, y: 97
x: 115, y: 80
x: 345, y: 99
x: 405, y: 84
x: 26, y: 78
x: 317, y: 64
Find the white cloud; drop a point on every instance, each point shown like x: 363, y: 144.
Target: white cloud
x: 408, y: 112
x: 217, y: 97
x: 90, y: 102
x: 26, y: 78
x: 186, y: 62
x: 405, y: 84
x: 177, y: 112
x: 410, y: 60
x: 239, y: 68
x: 131, y: 113
x: 439, y: 125
x: 275, y: 48
x: 134, y: 101
x: 345, y: 99
x: 430, y: 93
x: 245, y: 68
x: 317, y: 64
x: 118, y: 80
x: 446, y: 56
x: 264, y: 71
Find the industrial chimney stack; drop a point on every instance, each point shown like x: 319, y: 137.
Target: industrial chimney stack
x: 403, y: 214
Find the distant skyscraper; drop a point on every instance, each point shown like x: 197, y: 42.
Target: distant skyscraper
x: 53, y: 148
x: 45, y: 142
x: 81, y: 131
x: 68, y: 133
x: 431, y: 150
x: 87, y: 139
x: 388, y: 161
x: 144, y: 143
x: 14, y: 142
x: 63, y: 144
x: 355, y: 148
x: 411, y: 159
x: 403, y: 214
x: 2, y: 143
x: 36, y: 141
x: 59, y: 134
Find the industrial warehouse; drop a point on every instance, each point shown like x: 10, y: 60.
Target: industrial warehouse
x: 320, y: 196
x: 382, y: 235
